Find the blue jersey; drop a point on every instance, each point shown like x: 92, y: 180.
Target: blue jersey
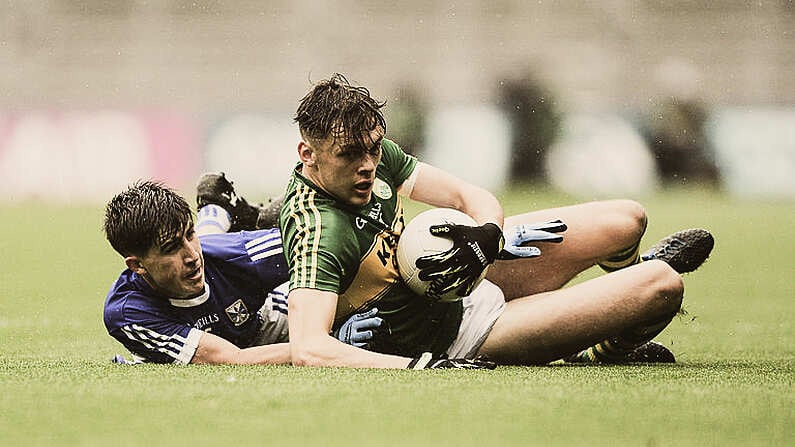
x: 241, y: 296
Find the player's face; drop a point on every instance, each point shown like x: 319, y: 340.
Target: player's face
x: 176, y: 268
x: 344, y: 169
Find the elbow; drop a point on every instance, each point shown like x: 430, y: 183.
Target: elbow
x: 308, y: 354
x: 302, y: 358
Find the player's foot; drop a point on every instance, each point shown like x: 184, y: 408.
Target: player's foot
x: 214, y: 188
x: 649, y: 352
x: 684, y: 250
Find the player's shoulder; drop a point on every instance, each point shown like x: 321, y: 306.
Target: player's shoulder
x: 389, y: 145
x: 239, y: 243
x: 316, y: 210
x: 396, y: 165
x: 238, y: 238
x: 128, y: 284
x: 127, y: 299
x: 321, y: 228
x: 391, y: 152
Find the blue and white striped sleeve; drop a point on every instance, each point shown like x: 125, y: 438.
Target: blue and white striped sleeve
x: 266, y: 253
x: 161, y: 345
x: 259, y: 252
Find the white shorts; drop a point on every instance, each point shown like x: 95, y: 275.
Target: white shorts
x: 481, y: 310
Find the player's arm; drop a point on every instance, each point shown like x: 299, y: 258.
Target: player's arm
x: 474, y: 247
x: 467, y: 197
x: 439, y: 188
x: 215, y: 350
x: 310, y: 316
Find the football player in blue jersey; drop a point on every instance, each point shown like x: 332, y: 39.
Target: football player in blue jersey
x: 214, y: 299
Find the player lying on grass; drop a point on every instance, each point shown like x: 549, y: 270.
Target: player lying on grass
x: 218, y: 298
x: 215, y: 188
x: 221, y: 209
x: 340, y: 219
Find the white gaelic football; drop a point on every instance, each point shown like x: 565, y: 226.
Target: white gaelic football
x: 416, y: 241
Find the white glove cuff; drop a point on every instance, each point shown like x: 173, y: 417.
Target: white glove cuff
x: 422, y: 361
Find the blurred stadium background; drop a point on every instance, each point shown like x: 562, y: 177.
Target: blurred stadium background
x: 606, y: 98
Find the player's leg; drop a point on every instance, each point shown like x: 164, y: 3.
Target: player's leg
x: 597, y: 231
x: 551, y: 325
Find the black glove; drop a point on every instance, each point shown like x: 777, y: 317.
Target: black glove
x: 426, y: 361
x: 459, y: 268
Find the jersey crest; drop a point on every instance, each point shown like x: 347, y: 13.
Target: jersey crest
x: 381, y: 189
x: 238, y: 312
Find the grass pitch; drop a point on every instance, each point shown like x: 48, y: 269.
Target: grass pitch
x: 732, y: 384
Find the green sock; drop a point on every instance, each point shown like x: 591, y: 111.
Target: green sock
x: 625, y: 258
x: 615, y: 349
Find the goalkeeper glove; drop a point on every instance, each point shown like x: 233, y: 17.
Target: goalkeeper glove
x: 517, y: 236
x: 459, y: 268
x: 426, y: 361
x: 360, y: 329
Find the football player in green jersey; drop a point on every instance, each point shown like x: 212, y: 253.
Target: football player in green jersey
x: 341, y: 218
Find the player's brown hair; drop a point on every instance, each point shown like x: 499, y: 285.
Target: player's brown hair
x: 336, y: 109
x: 147, y: 214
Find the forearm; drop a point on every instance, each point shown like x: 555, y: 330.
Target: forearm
x: 441, y: 189
x: 324, y: 350
x: 310, y: 316
x: 213, y: 350
x: 277, y: 354
x: 482, y: 206
x: 311, y: 313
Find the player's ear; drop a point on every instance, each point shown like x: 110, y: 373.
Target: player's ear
x: 134, y: 263
x: 306, y: 154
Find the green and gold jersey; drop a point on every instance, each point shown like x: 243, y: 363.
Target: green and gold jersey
x: 335, y: 247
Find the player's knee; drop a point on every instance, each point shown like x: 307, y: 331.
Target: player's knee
x: 667, y: 285
x: 634, y: 218
x: 625, y: 222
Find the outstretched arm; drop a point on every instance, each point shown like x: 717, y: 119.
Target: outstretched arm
x: 212, y: 349
x: 215, y: 350
x: 311, y: 314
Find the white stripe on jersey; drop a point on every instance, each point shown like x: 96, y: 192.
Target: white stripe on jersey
x: 264, y: 246
x: 278, y: 298
x: 266, y: 254
x: 179, y: 348
x: 269, y: 239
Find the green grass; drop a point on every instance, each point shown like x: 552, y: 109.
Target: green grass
x: 732, y: 385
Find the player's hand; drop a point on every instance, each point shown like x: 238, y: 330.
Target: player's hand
x: 427, y: 361
x: 360, y: 329
x: 517, y: 236
x: 120, y: 360
x: 212, y: 219
x: 474, y: 248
